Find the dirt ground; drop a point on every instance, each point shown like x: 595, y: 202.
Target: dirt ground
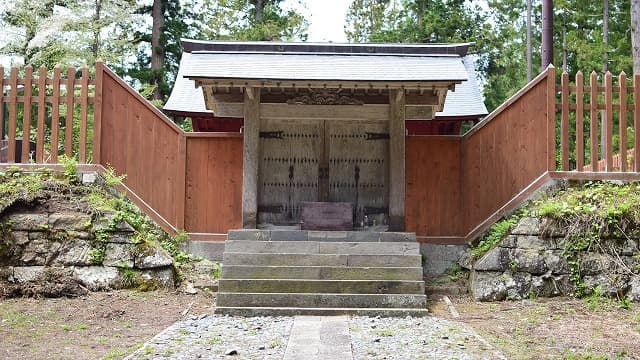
x: 556, y: 328
x: 112, y: 325
x: 101, y: 325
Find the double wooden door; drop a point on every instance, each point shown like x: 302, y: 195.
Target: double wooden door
x: 322, y: 160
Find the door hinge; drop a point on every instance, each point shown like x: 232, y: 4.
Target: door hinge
x: 377, y: 136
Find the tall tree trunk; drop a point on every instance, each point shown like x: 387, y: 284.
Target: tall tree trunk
x: 157, y: 52
x: 547, y: 33
x: 95, y: 46
x: 529, y: 50
x: 605, y: 35
x: 635, y: 35
x: 259, y: 10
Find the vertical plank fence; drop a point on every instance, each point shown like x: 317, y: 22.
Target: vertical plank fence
x: 35, y: 106
x: 603, y: 146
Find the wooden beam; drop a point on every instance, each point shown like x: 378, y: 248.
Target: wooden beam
x: 324, y: 112
x: 419, y: 112
x: 396, y: 159
x: 381, y: 97
x: 321, y: 84
x: 251, y: 156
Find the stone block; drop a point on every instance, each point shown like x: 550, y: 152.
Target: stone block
x: 118, y: 255
x: 593, y: 263
x: 97, y: 277
x: 556, y: 262
x: 70, y: 221
x: 89, y: 178
x: 35, y: 252
x: 488, y: 286
x: 439, y: 258
x: 73, y: 252
x: 19, y: 238
x: 509, y: 242
x: 535, y: 243
x: 527, y: 226
x: 288, y: 235
x: 609, y: 285
x: 634, y: 289
x: 210, y: 250
x: 162, y: 277
x: 157, y: 259
x: 517, y: 284
x: 548, y: 286
x: 22, y: 274
x: 496, y: 259
x: 6, y: 273
x: 29, y: 222
x: 249, y: 234
x: 531, y: 261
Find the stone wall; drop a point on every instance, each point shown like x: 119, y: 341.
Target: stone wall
x: 532, y: 261
x: 52, y: 247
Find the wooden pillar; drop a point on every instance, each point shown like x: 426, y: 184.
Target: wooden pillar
x: 396, y: 159
x: 251, y: 155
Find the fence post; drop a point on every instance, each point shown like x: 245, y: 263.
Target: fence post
x: 622, y: 121
x: 84, y: 94
x: 97, y: 112
x: 636, y: 122
x: 608, y: 126
x: 564, y: 122
x: 593, y: 119
x: 551, y: 118
x: 26, y: 114
x: 68, y: 134
x: 42, y: 93
x: 13, y: 114
x: 579, y: 121
x: 55, y: 115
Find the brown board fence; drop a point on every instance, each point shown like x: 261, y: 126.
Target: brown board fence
x: 455, y: 186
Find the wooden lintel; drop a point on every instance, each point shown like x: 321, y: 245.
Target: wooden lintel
x: 378, y: 97
x: 328, y: 112
x: 419, y: 112
x: 319, y: 84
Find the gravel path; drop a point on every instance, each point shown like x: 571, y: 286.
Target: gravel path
x: 226, y: 337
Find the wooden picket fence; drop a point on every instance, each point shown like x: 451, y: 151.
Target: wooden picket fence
x: 55, y: 105
x: 607, y: 111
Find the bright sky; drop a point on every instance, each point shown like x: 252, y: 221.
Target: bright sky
x: 326, y: 18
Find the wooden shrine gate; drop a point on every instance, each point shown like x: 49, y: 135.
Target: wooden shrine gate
x: 322, y: 160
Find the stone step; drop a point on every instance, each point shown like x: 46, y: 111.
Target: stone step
x: 288, y: 259
x: 317, y: 247
x: 321, y: 272
x: 325, y: 236
x: 314, y: 300
x: 321, y: 286
x: 292, y: 311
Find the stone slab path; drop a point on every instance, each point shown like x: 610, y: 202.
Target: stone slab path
x: 319, y: 337
x: 316, y: 337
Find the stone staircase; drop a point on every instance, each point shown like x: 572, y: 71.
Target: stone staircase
x: 293, y: 272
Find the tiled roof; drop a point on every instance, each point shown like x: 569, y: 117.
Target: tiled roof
x: 286, y: 66
x: 185, y: 96
x: 466, y: 100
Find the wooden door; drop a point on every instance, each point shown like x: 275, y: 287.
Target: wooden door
x: 291, y: 151
x: 358, y: 154
x: 322, y: 160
